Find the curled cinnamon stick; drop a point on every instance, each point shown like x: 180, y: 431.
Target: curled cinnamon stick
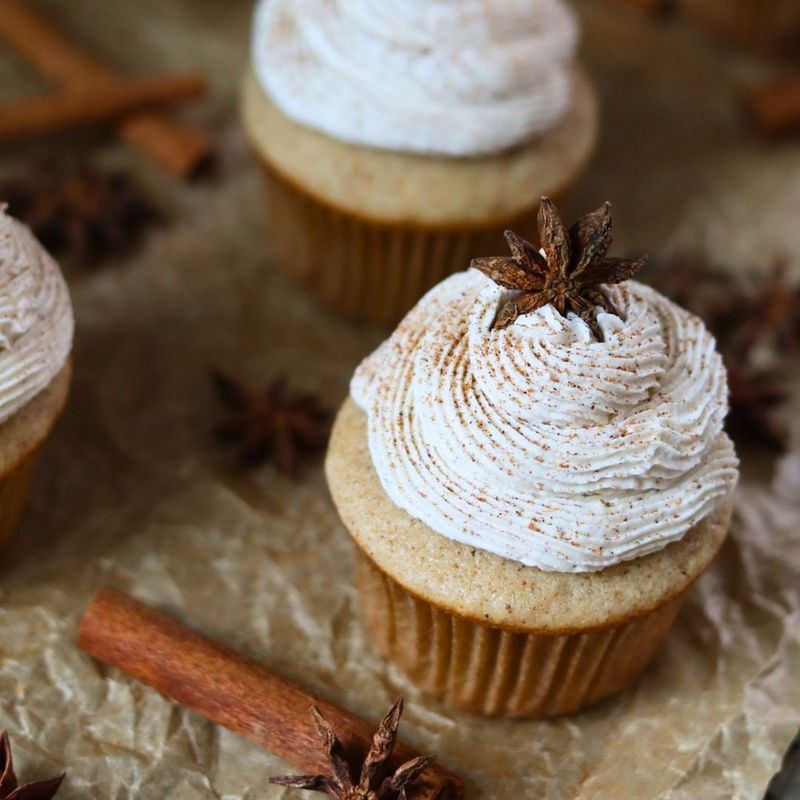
x: 774, y: 108
x: 97, y: 103
x: 181, y: 149
x: 231, y: 690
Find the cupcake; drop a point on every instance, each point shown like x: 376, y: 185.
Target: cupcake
x: 534, y: 471
x: 35, y: 342
x: 763, y: 24
x: 399, y: 139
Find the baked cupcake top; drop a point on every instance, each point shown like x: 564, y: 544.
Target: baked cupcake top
x: 565, y: 442
x: 36, y: 321
x: 452, y: 77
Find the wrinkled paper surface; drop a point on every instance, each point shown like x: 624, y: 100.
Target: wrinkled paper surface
x: 133, y: 492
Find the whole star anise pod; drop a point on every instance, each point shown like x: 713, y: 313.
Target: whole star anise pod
x: 271, y: 425
x: 569, y: 275
x: 754, y: 396
x: 372, y: 783
x: 78, y: 211
x: 9, y: 786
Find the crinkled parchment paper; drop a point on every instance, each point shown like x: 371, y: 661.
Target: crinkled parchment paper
x: 132, y: 491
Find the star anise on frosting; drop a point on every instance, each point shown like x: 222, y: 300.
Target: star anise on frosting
x: 569, y: 273
x: 10, y: 788
x: 373, y: 783
x: 275, y: 424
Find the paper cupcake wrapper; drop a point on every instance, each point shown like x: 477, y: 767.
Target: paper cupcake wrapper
x: 757, y: 23
x: 14, y: 490
x: 496, y: 672
x: 366, y: 269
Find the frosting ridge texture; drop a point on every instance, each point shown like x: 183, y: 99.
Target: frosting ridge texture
x: 36, y: 323
x: 454, y: 77
x: 537, y: 442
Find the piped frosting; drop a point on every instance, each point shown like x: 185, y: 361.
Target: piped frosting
x: 36, y: 322
x: 453, y: 77
x: 541, y: 444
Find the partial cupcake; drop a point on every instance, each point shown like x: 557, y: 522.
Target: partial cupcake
x: 762, y: 24
x: 36, y: 328
x: 400, y: 139
x: 534, y: 471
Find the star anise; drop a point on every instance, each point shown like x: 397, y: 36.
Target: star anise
x: 772, y: 312
x: 372, y: 783
x: 271, y: 425
x: 9, y: 786
x: 569, y: 274
x: 78, y: 211
x: 754, y: 396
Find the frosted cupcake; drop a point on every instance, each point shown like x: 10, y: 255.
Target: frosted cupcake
x: 534, y: 470
x: 35, y: 342
x: 764, y: 24
x: 399, y: 139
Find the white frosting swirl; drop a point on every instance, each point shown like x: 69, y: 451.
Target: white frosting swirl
x: 35, y: 317
x: 537, y: 442
x: 455, y: 77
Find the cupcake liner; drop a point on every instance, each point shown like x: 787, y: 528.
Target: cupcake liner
x: 756, y: 23
x: 367, y: 269
x: 14, y: 490
x: 496, y: 672
x: 21, y: 439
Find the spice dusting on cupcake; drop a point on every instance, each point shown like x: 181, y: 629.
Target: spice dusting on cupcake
x: 535, y: 471
x: 567, y: 273
x: 571, y: 423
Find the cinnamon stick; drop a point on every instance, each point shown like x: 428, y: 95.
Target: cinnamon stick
x: 181, y: 149
x: 100, y: 102
x: 774, y: 108
x: 231, y: 690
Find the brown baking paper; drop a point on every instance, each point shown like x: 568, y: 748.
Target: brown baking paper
x: 134, y: 492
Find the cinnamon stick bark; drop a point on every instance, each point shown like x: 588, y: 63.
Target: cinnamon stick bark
x: 181, y: 149
x: 232, y: 690
x: 774, y: 108
x: 51, y: 112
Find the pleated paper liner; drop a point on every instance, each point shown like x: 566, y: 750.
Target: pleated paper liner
x: 14, y: 490
x: 366, y: 269
x: 762, y: 24
x: 21, y: 438
x: 491, y: 671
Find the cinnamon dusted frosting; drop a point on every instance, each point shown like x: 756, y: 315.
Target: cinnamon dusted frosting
x: 453, y: 77
x: 539, y: 443
x: 35, y: 317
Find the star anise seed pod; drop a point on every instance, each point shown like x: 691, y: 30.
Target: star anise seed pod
x: 9, y: 786
x: 569, y: 275
x: 78, y: 211
x: 271, y: 425
x: 372, y: 784
x: 754, y: 396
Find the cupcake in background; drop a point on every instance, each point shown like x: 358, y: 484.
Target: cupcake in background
x: 400, y: 139
x: 36, y: 328
x: 534, y: 470
x: 763, y: 24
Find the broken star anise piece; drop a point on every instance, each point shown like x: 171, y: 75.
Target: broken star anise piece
x: 9, y: 786
x: 372, y: 783
x: 569, y: 275
x: 80, y: 212
x: 275, y: 425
